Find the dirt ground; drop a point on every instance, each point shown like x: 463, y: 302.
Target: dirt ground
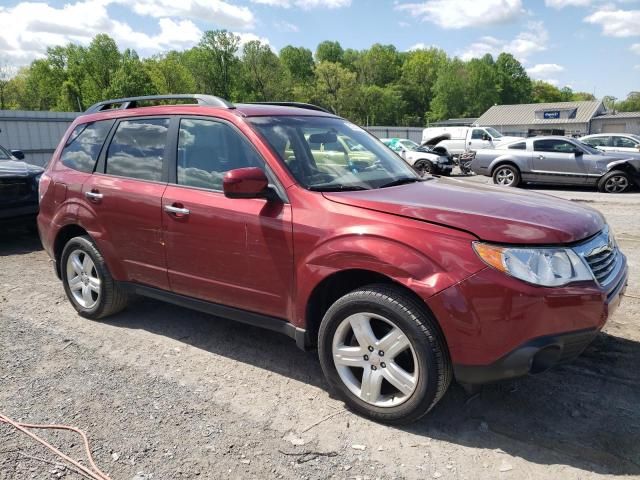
x: 167, y: 393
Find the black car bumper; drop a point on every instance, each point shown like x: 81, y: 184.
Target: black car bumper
x: 535, y: 356
x: 17, y: 215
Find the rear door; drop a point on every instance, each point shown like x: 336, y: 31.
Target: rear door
x: 554, y: 161
x: 235, y: 252
x: 125, y: 196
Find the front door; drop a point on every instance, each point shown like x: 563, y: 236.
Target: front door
x: 125, y: 194
x: 555, y: 161
x: 477, y: 139
x: 235, y: 252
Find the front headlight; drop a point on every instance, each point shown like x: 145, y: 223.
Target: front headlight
x: 549, y: 267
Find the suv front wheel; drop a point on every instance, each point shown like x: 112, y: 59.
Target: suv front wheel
x: 383, y: 353
x: 87, y: 282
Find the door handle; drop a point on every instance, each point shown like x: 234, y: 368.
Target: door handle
x: 176, y: 210
x: 93, y: 195
x: 540, y: 157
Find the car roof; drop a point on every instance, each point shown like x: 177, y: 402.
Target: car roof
x: 633, y: 135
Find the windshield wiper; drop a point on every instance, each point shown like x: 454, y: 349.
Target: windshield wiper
x: 335, y: 188
x: 401, y: 181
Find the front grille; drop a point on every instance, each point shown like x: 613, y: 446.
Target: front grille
x: 13, y: 189
x: 603, y: 257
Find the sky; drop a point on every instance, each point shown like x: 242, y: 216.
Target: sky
x: 588, y: 45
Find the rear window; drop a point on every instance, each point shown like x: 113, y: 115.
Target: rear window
x: 137, y: 149
x: 518, y: 146
x: 84, y: 144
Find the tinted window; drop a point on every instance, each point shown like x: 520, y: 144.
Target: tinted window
x: 208, y: 149
x: 137, y: 149
x: 84, y: 144
x: 518, y: 146
x: 4, y: 155
x: 624, y: 142
x: 558, y: 146
x: 477, y: 133
x: 597, y: 141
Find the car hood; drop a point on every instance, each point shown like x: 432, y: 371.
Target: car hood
x: 17, y: 168
x: 491, y: 213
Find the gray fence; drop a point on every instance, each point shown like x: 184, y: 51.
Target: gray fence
x: 37, y: 134
x: 412, y: 133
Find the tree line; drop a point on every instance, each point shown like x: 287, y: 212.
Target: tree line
x: 379, y: 85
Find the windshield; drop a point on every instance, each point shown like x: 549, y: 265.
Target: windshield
x: 493, y: 132
x: 311, y: 147
x: 409, y: 144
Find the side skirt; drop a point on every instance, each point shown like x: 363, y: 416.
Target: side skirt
x: 243, y: 316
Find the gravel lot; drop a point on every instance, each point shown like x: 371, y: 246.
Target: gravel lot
x: 167, y: 393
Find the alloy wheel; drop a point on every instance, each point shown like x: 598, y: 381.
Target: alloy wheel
x: 375, y: 359
x: 83, y: 280
x: 616, y: 184
x: 505, y: 176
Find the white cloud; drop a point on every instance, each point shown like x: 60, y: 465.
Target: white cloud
x: 543, y: 69
x: 636, y: 67
x: 455, y: 14
x: 532, y: 40
x: 305, y: 4
x: 28, y: 28
x: 567, y: 3
x: 249, y: 37
x: 421, y: 46
x: 635, y: 48
x: 616, y: 23
x: 217, y: 12
x: 286, y: 27
x: 552, y: 81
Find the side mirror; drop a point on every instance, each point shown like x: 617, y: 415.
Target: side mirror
x: 486, y: 137
x: 577, y: 152
x: 19, y: 154
x: 248, y: 182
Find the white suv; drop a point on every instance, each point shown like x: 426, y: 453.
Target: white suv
x: 613, y: 142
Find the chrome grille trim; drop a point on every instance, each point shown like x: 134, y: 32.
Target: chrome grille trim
x: 602, y: 256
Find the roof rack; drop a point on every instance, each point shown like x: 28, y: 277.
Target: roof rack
x: 307, y: 106
x: 132, y: 102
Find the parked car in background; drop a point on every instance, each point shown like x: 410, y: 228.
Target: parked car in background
x: 337, y: 150
x: 18, y: 189
x: 613, y: 142
x: 558, y: 160
x: 401, y: 282
x: 424, y: 159
x: 457, y: 140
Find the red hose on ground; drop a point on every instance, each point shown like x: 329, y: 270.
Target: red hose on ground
x: 95, y: 474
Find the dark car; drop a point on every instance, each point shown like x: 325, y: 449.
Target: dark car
x: 402, y: 283
x: 18, y: 189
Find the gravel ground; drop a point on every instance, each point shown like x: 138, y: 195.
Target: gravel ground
x: 167, y: 393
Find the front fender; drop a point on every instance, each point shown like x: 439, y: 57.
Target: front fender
x: 430, y: 265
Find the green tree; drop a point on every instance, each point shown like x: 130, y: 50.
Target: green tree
x: 380, y: 65
x: 336, y: 88
x: 131, y: 78
x: 631, y: 103
x: 214, y: 63
x: 583, y: 97
x: 169, y: 74
x: 544, y: 92
x: 298, y: 62
x: 262, y: 72
x: 481, y: 87
x: 328, y: 51
x: 101, y: 60
x: 514, y: 85
x: 450, y: 92
x: 419, y: 74
x: 380, y: 105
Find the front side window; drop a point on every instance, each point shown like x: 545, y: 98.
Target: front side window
x: 597, y: 141
x: 553, y: 145
x: 295, y: 141
x: 137, y: 149
x: 208, y: 149
x: 84, y: 144
x: 493, y: 132
x: 624, y: 142
x: 477, y: 134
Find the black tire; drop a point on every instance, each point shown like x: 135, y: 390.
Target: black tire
x: 112, y: 297
x: 424, y: 167
x: 506, y: 175
x: 420, y: 328
x: 616, y: 181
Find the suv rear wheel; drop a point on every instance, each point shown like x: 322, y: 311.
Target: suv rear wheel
x: 383, y: 353
x: 87, y: 282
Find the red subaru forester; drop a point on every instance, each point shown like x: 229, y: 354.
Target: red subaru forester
x: 258, y: 212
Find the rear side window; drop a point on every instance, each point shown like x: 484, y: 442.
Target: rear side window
x: 137, y: 149
x: 518, y: 146
x: 624, y: 142
x: 84, y: 144
x: 208, y: 149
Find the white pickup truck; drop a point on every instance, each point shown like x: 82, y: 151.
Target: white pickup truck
x: 457, y: 140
